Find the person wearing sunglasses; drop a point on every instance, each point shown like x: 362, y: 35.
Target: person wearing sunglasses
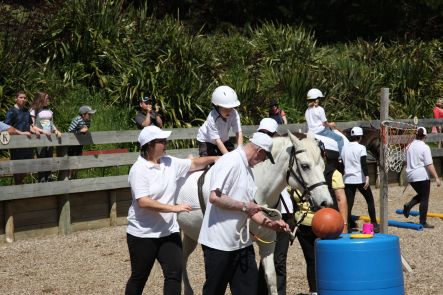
x: 153, y: 231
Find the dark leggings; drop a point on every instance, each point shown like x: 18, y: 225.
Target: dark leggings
x: 209, y: 149
x: 306, y: 238
x: 422, y: 188
x: 144, y: 251
x: 350, y: 190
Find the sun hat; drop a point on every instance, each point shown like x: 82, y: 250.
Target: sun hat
x: 86, y: 109
x: 268, y: 124
x: 263, y: 141
x: 150, y: 133
x: 423, y: 129
x: 356, y: 131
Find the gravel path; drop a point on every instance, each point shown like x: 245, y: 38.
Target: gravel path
x: 96, y: 262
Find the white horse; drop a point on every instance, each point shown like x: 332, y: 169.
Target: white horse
x: 298, y: 163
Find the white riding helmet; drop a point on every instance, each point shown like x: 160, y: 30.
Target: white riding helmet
x: 225, y: 97
x: 356, y: 131
x: 314, y: 93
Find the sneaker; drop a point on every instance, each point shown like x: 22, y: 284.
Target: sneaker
x: 427, y: 225
x: 313, y: 293
x: 406, y: 210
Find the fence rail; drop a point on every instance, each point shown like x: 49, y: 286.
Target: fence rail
x: 28, y: 209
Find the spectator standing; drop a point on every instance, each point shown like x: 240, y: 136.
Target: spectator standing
x: 437, y: 112
x: 356, y: 175
x: 316, y: 118
x: 19, y: 117
x: 147, y: 115
x: 231, y: 202
x: 43, y: 123
x: 153, y: 232
x: 418, y: 166
x: 277, y: 114
x: 213, y: 135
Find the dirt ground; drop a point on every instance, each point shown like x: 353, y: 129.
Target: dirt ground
x: 96, y: 262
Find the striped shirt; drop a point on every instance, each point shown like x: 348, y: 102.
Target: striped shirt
x: 77, y: 124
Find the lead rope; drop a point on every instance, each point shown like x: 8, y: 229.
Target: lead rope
x: 269, y: 211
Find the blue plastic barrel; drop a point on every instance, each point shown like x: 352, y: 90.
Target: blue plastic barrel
x: 371, y: 266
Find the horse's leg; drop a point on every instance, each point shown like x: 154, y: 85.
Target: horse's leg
x: 270, y: 275
x: 189, y: 246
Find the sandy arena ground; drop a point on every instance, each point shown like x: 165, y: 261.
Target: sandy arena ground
x: 96, y: 262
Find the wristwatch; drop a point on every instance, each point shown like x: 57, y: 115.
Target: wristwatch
x: 245, y: 207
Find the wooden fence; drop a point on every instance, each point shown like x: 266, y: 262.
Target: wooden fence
x: 62, y: 207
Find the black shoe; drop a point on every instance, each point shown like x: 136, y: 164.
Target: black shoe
x: 406, y: 210
x: 376, y: 228
x: 427, y: 225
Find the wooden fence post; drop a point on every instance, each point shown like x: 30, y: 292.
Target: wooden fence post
x: 384, y: 113
x: 9, y: 217
x: 64, y: 220
x: 113, y: 208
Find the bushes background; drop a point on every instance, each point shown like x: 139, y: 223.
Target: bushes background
x: 109, y: 53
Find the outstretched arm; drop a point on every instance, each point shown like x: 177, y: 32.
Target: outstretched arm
x: 431, y: 169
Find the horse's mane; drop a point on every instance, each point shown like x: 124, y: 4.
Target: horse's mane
x: 282, y: 143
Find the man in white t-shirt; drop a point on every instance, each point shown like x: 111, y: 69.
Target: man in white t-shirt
x: 419, y: 163
x: 356, y: 175
x: 231, y: 203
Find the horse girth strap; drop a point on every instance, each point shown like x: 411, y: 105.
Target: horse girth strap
x: 200, y: 182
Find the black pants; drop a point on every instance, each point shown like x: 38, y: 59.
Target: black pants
x: 350, y: 190
x: 209, y: 149
x: 306, y: 238
x: 280, y: 257
x: 422, y: 188
x: 143, y: 252
x: 236, y: 268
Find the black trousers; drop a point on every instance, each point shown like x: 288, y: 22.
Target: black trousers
x: 236, y: 268
x: 280, y: 258
x: 144, y: 251
x: 306, y: 238
x: 423, y: 189
x: 350, y: 190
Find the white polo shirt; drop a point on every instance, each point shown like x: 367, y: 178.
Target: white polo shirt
x: 351, y: 155
x: 418, y: 157
x: 158, y: 182
x: 233, y: 177
x: 215, y: 127
x: 315, y: 116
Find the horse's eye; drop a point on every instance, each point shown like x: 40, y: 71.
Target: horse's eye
x: 304, y: 167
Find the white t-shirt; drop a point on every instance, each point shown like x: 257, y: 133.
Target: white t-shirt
x: 418, y: 157
x: 158, y: 182
x: 351, y: 156
x: 233, y: 177
x: 315, y: 116
x: 215, y: 127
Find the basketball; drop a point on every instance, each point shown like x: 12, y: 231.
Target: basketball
x: 327, y: 223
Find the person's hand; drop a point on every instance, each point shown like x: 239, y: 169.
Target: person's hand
x: 279, y: 225
x: 58, y: 133
x: 84, y: 129
x: 252, y: 208
x: 438, y: 181
x: 332, y: 125
x: 182, y: 208
x: 366, y: 183
x: 47, y: 133
x: 27, y: 133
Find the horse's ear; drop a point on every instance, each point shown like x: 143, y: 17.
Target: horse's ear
x: 295, y: 141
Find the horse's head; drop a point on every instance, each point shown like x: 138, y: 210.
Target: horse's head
x: 305, y: 171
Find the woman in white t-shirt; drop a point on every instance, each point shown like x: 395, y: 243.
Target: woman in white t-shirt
x: 316, y: 118
x: 213, y: 135
x: 153, y: 231
x: 419, y: 163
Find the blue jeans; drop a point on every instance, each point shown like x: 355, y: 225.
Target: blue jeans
x: 331, y: 134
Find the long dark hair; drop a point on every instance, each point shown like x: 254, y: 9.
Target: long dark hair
x: 39, y: 100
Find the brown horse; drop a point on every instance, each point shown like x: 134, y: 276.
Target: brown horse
x: 370, y: 139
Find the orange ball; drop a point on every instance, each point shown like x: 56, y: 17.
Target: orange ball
x: 327, y: 223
